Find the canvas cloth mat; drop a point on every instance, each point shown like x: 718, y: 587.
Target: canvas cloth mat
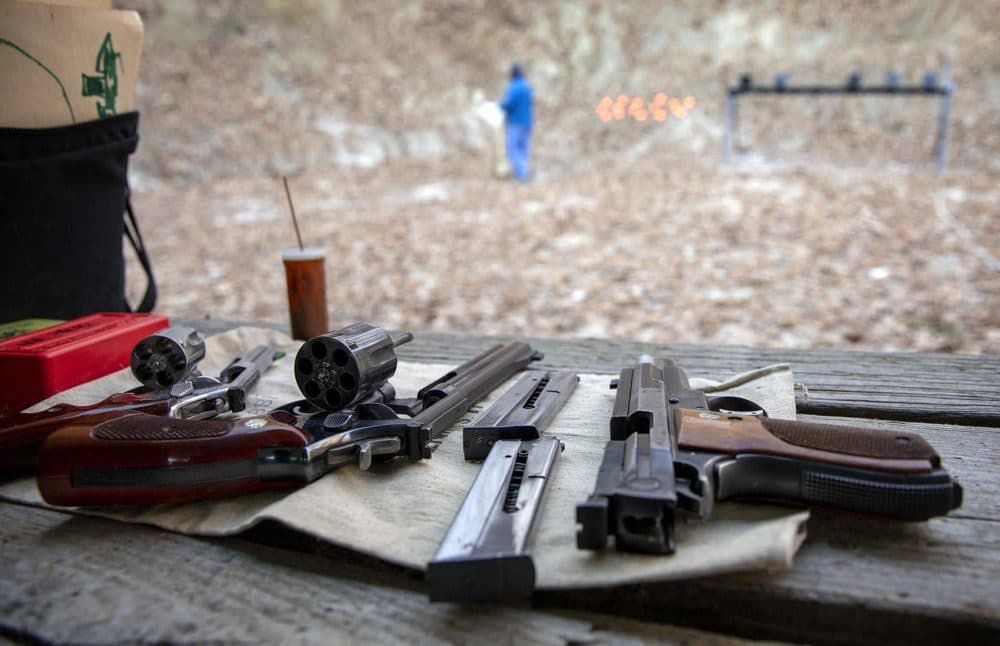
x: 400, y: 512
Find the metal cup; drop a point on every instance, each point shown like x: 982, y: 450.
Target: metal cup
x: 305, y: 275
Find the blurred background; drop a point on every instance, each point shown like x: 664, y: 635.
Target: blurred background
x: 830, y: 228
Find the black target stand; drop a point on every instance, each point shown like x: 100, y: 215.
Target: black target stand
x: 930, y: 87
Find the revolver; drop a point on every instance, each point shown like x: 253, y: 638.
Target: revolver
x: 673, y: 448
x: 166, y: 364
x: 350, y: 414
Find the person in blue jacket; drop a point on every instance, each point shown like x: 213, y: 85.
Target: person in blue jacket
x: 518, y: 108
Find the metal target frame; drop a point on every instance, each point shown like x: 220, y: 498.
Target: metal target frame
x: 932, y: 86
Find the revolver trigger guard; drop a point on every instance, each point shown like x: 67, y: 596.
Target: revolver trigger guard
x: 389, y: 446
x: 364, y: 451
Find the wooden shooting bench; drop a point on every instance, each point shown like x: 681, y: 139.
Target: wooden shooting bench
x: 68, y: 578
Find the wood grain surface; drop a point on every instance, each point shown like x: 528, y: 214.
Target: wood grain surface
x: 75, y: 579
x: 908, y: 386
x: 856, y: 580
x: 942, y: 388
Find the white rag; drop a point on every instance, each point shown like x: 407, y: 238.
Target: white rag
x: 400, y: 512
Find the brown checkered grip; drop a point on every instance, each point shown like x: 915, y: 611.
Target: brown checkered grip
x: 734, y: 434
x: 852, y: 440
x: 152, y: 428
x: 887, y: 473
x: 145, y: 459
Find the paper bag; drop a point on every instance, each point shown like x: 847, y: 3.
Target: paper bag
x: 66, y: 64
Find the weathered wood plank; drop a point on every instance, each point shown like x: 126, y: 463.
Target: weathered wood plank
x: 88, y: 580
x: 858, y: 580
x: 928, y: 387
x: 822, y: 599
x: 942, y: 388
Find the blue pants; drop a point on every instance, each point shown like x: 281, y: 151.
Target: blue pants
x: 518, y: 141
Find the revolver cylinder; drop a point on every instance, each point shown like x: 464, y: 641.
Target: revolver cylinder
x: 337, y: 369
x: 167, y: 357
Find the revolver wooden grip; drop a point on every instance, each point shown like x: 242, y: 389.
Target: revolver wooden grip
x: 142, y: 459
x: 21, y: 435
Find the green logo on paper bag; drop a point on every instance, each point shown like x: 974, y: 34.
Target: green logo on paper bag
x: 105, y: 84
x: 62, y: 88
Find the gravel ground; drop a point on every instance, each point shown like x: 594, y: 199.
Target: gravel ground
x: 831, y: 230
x: 876, y: 259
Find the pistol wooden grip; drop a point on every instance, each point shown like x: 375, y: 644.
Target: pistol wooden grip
x: 843, y: 445
x: 142, y: 459
x: 851, y: 440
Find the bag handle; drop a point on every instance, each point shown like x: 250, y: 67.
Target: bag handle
x: 135, y: 239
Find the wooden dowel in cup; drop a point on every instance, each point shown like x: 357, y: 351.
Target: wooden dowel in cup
x: 291, y: 207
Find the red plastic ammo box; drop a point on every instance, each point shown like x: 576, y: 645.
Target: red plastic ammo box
x: 40, y: 364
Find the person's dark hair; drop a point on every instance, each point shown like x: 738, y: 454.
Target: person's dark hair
x: 515, y: 71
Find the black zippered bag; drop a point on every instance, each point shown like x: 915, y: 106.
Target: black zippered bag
x: 64, y: 207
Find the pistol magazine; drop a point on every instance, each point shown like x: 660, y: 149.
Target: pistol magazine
x: 484, y: 553
x: 521, y: 413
